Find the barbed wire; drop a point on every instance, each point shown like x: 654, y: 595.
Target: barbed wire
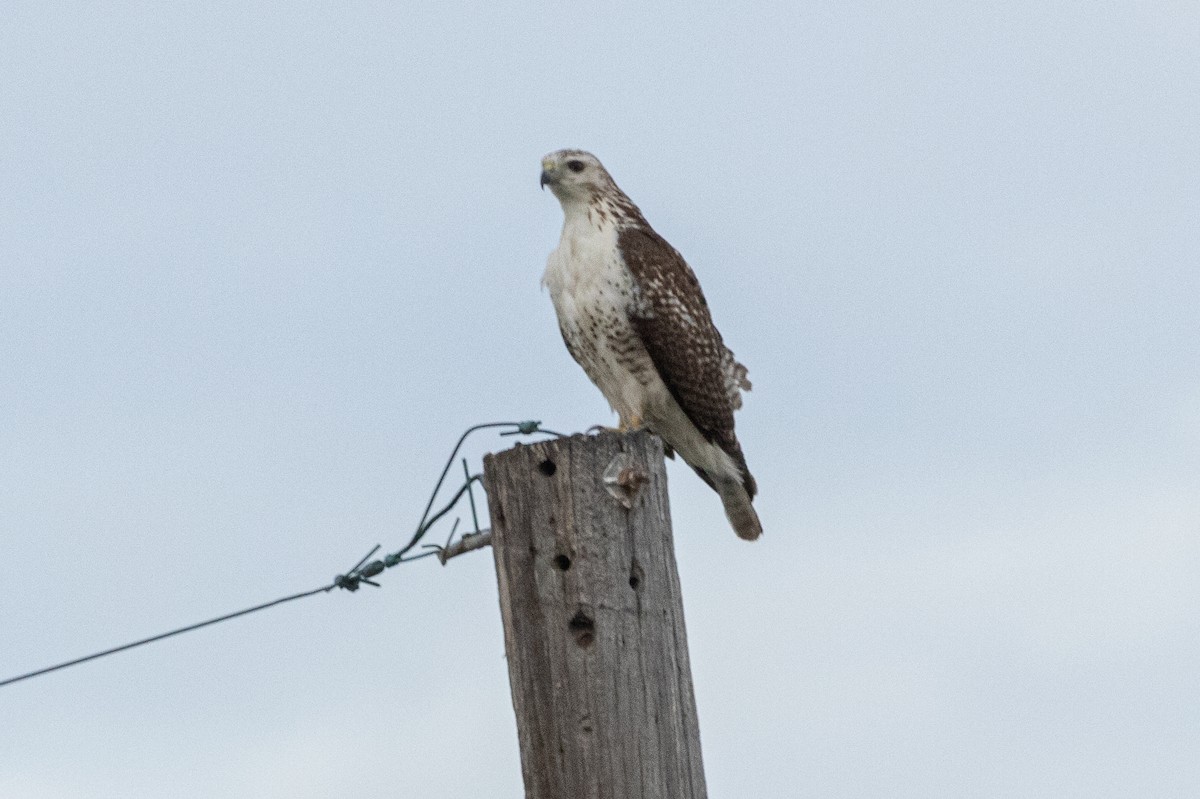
x: 363, y: 571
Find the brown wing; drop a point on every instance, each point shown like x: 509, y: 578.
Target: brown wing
x: 672, y: 319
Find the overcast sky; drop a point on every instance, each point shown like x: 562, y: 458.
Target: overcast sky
x: 259, y: 266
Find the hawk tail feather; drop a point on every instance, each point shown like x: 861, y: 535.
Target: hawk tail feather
x: 741, y: 514
x: 734, y: 484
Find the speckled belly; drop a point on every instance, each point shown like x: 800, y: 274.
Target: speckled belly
x: 600, y: 337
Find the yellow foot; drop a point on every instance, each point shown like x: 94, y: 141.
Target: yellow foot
x: 624, y: 426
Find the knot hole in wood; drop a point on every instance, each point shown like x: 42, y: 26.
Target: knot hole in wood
x: 583, y: 627
x: 635, y: 575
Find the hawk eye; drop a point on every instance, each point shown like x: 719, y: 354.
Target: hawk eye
x: 576, y: 166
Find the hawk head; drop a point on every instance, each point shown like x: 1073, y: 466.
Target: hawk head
x: 575, y: 175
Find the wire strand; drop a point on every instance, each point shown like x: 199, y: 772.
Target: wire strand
x: 161, y: 636
x: 350, y: 581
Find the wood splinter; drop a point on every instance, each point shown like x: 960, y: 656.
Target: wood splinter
x: 468, y: 543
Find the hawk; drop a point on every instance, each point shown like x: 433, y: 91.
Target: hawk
x: 633, y: 316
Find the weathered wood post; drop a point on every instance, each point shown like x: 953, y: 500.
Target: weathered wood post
x: 593, y: 619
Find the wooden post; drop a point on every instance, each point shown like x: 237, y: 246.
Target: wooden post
x: 593, y: 619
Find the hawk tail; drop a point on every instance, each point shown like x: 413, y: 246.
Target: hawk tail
x: 736, y: 487
x: 741, y: 514
x: 737, y: 490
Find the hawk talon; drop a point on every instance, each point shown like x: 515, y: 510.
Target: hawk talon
x: 622, y: 427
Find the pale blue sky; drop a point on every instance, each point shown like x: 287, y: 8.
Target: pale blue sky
x: 259, y: 265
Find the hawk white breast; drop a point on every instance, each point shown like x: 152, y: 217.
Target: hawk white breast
x: 632, y: 314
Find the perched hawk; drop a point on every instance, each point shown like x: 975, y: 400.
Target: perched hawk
x: 632, y: 314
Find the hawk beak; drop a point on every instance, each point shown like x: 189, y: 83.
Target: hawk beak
x: 546, y: 178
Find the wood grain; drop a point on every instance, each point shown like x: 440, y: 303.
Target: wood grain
x: 593, y: 620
